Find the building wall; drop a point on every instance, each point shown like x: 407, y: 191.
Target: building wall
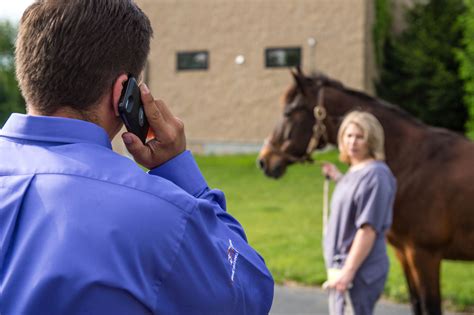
x: 239, y: 104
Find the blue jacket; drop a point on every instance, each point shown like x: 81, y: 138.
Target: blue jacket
x: 84, y: 230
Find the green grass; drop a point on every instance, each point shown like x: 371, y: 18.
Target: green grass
x: 282, y: 219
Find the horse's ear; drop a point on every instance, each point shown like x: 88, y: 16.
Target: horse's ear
x: 299, y: 71
x: 299, y: 79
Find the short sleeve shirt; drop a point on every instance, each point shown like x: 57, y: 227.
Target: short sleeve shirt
x: 363, y: 196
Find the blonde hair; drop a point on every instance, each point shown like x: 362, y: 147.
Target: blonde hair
x: 373, y: 135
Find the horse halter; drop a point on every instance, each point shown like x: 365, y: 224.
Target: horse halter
x: 319, y: 131
x: 319, y: 128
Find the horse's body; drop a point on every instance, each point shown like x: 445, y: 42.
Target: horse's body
x: 434, y: 206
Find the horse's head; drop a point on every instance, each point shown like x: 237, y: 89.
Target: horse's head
x: 301, y: 129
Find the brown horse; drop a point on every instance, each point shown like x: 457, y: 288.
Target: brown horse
x: 434, y: 207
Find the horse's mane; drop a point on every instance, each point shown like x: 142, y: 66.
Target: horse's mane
x: 373, y: 101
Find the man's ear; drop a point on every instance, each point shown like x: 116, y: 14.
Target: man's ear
x: 117, y: 91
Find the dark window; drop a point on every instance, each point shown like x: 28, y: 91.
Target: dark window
x: 282, y: 57
x: 193, y: 60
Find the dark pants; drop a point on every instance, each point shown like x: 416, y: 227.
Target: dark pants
x: 363, y: 297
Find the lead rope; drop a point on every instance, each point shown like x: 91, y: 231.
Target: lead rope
x: 325, y: 205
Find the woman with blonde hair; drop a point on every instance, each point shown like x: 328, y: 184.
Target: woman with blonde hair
x: 361, y: 212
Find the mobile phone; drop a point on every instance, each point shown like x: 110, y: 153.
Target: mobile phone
x: 131, y: 109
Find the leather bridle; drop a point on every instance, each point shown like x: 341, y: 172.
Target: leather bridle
x: 319, y: 132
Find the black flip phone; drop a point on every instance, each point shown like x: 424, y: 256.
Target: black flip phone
x: 131, y: 109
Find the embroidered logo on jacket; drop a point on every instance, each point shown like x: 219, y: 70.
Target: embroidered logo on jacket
x: 232, y: 255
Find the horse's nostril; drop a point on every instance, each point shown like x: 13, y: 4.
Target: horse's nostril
x: 261, y: 163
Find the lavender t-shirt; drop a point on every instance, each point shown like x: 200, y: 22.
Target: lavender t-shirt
x: 363, y: 196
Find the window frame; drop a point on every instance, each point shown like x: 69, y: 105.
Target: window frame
x: 268, y: 50
x: 191, y: 53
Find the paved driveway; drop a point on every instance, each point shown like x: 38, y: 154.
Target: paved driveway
x: 305, y: 301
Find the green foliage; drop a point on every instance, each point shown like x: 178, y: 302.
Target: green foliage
x: 282, y: 219
x: 466, y: 58
x: 381, y: 29
x: 420, y: 71
x: 10, y: 97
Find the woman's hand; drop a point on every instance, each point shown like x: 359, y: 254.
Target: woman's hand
x: 342, y: 282
x: 330, y: 170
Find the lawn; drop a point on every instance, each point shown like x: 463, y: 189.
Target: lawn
x: 282, y: 219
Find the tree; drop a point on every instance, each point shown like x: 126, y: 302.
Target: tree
x: 466, y: 58
x: 10, y: 97
x: 381, y: 30
x: 420, y: 71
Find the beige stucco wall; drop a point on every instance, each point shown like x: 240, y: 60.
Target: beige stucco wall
x: 232, y: 103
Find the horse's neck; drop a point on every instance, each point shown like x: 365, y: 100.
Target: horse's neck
x: 403, y: 135
x: 403, y: 139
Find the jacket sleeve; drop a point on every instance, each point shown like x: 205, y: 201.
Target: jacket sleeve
x: 216, y: 271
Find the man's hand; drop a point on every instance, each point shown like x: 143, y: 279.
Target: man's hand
x: 169, y: 140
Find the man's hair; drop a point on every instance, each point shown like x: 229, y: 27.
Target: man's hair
x: 69, y: 52
x: 373, y: 135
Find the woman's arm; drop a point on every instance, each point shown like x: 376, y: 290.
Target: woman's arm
x: 361, y: 247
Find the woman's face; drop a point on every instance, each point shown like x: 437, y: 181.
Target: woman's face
x: 356, y: 145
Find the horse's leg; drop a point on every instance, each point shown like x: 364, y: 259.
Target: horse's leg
x: 425, y: 267
x: 414, y: 297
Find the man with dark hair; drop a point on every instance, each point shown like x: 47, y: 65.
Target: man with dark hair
x: 84, y: 230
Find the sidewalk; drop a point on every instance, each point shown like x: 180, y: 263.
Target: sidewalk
x: 311, y: 300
